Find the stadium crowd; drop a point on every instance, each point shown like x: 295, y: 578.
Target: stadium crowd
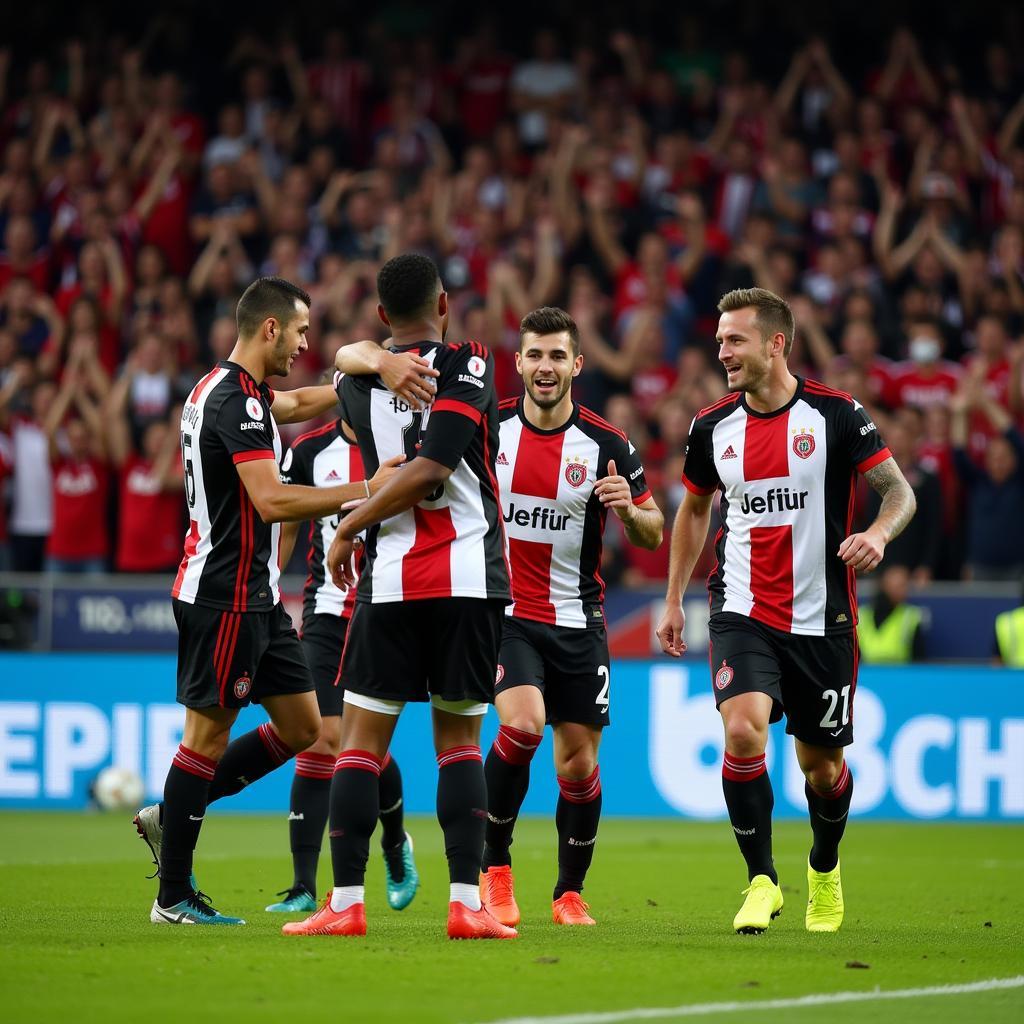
x: 629, y: 176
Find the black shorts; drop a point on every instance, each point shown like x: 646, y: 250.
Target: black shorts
x: 323, y: 640
x: 227, y: 659
x: 812, y: 679
x: 569, y: 666
x: 443, y: 647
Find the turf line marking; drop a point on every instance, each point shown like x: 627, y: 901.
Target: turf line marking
x: 817, y: 999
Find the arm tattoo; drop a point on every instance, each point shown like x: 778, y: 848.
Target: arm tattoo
x: 898, y: 501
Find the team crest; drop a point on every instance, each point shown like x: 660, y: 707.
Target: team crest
x: 723, y: 677
x: 243, y: 684
x: 803, y: 445
x: 576, y: 472
x: 499, y: 675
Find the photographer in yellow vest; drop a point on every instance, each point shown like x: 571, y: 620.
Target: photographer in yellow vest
x: 890, y: 631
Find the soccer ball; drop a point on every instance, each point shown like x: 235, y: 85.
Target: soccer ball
x: 117, y: 789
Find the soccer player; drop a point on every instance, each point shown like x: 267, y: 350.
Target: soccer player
x: 560, y: 469
x: 235, y: 641
x: 325, y: 457
x: 785, y: 453
x: 431, y: 598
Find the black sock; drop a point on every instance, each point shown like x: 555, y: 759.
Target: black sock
x: 829, y: 813
x: 507, y: 771
x: 392, y: 813
x: 355, y: 806
x: 749, y: 798
x: 577, y: 816
x: 307, y: 815
x: 247, y: 759
x: 185, y: 798
x: 462, y: 810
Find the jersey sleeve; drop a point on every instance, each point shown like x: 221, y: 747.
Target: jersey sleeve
x: 244, y: 427
x: 295, y: 467
x: 860, y: 438
x: 628, y: 464
x: 699, y: 473
x: 465, y: 389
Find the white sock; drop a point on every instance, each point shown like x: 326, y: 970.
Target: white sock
x: 345, y: 896
x: 463, y: 893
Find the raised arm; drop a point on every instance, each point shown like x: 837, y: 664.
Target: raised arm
x: 689, y: 531
x: 303, y: 404
x: 402, y: 372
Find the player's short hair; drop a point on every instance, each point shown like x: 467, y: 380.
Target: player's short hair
x: 408, y: 286
x: 266, y: 297
x: 773, y: 315
x: 550, y: 320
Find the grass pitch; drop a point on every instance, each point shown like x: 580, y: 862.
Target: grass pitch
x: 927, y: 905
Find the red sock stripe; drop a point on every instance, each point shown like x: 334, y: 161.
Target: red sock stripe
x: 842, y: 783
x: 742, y: 769
x: 276, y: 747
x: 362, y: 760
x: 386, y: 761
x: 516, y: 746
x: 314, y: 766
x: 193, y: 763
x: 581, y: 791
x: 455, y: 754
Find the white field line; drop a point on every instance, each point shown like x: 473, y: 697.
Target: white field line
x: 818, y: 999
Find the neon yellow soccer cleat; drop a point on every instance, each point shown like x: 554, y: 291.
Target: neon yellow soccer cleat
x: 762, y: 905
x: 824, y: 900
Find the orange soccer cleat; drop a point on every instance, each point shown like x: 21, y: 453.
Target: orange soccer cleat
x: 325, y: 921
x: 464, y: 923
x: 498, y: 896
x: 569, y: 908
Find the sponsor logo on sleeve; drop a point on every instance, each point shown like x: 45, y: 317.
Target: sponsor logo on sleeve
x: 476, y: 366
x: 254, y: 408
x: 286, y: 463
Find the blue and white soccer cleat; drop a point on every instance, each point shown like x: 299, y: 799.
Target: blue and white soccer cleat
x: 401, y: 894
x: 296, y: 901
x: 195, y: 910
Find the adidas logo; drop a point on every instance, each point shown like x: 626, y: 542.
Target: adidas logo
x: 333, y: 475
x: 502, y: 461
x: 729, y: 453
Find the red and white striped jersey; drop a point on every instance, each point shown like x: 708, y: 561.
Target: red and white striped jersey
x: 787, y: 480
x: 323, y: 458
x: 451, y: 543
x: 553, y: 520
x: 231, y: 555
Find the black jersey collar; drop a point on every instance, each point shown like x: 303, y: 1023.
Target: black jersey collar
x: 775, y: 412
x: 571, y: 421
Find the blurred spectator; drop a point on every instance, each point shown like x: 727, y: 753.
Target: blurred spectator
x: 79, y: 541
x: 994, y: 491
x: 890, y: 630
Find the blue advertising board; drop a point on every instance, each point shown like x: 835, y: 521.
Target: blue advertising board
x: 931, y: 742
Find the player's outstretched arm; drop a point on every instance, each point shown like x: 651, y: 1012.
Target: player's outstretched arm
x: 688, y: 534
x: 303, y: 404
x: 403, y: 490
x: 402, y: 372
x: 278, y: 502
x: 863, y: 551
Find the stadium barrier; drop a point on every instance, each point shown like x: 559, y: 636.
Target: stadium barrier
x: 932, y: 742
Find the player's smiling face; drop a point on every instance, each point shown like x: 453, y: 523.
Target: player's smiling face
x: 547, y: 365
x: 290, y: 342
x: 742, y: 350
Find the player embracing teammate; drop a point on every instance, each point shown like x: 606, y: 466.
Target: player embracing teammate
x: 784, y: 452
